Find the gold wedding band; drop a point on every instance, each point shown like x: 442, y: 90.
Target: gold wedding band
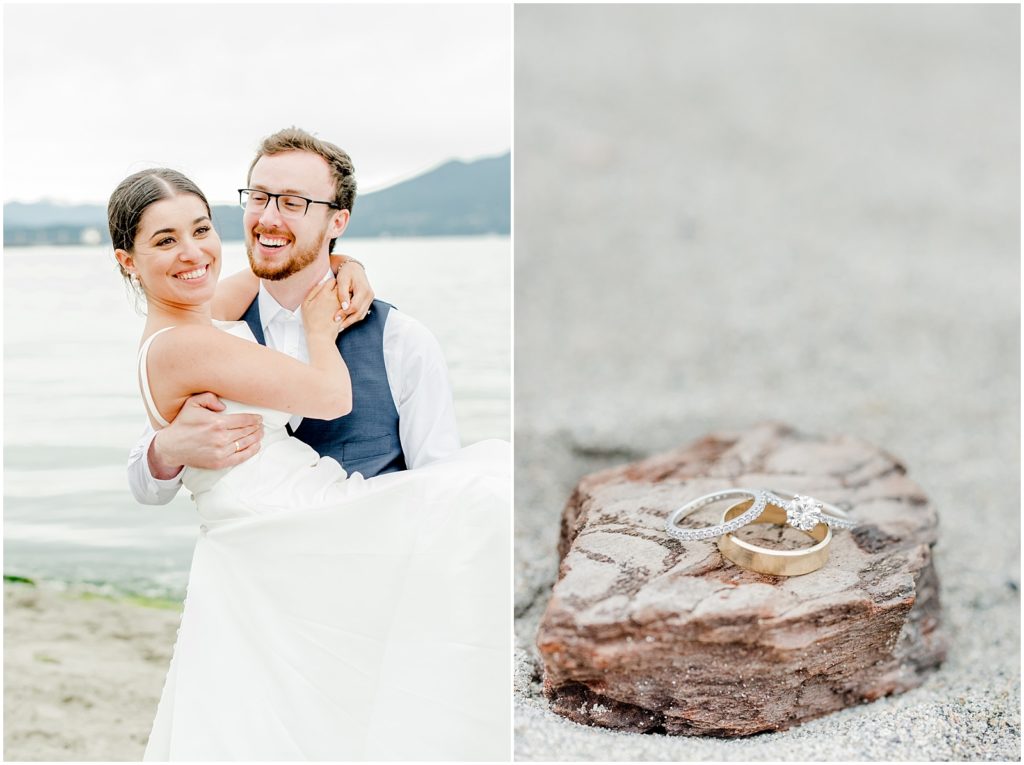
x: 236, y: 447
x: 776, y: 562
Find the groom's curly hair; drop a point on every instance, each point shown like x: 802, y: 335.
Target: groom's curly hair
x: 339, y: 162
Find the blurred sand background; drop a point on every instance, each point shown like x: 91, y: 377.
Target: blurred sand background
x: 810, y: 214
x: 82, y: 673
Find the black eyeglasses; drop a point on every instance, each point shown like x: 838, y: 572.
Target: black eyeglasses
x: 289, y: 205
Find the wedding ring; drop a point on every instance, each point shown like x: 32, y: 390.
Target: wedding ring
x: 776, y: 562
x: 804, y: 512
x: 757, y: 500
x: 236, y: 447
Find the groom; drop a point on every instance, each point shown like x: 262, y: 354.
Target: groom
x: 298, y: 201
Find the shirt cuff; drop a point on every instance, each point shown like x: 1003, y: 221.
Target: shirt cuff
x: 154, y: 483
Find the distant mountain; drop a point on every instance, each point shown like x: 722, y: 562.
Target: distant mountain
x: 455, y: 199
x: 42, y: 214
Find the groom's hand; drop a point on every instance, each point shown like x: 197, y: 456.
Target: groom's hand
x: 201, y: 436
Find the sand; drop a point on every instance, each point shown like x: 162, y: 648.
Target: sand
x: 82, y: 673
x: 727, y: 215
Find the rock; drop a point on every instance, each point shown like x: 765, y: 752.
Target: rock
x: 646, y: 633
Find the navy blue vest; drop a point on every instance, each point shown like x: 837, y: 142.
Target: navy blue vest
x: 366, y: 439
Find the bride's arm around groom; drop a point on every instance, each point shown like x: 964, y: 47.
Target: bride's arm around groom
x: 202, y: 437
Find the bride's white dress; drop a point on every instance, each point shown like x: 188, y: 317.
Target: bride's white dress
x: 335, y: 618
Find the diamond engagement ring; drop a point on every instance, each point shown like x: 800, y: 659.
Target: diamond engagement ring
x: 758, y: 499
x: 805, y: 513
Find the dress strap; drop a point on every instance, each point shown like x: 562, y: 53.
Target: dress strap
x: 147, y: 394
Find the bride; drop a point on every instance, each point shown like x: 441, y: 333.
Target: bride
x: 327, y: 617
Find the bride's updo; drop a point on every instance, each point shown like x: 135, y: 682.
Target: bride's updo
x: 134, y: 195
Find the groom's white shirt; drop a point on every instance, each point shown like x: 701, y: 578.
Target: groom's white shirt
x: 417, y: 376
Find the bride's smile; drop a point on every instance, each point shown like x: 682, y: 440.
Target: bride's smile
x: 177, y: 253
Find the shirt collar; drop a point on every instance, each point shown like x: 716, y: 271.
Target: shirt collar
x: 270, y: 309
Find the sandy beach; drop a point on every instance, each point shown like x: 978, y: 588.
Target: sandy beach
x: 82, y: 673
x: 733, y: 214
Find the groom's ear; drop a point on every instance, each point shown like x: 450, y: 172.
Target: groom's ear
x: 339, y: 223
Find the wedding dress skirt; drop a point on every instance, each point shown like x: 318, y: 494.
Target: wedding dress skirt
x: 330, y: 617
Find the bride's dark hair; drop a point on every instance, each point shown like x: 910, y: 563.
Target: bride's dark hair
x: 136, y: 193
x: 133, y: 196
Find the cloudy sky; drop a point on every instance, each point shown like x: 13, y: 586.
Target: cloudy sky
x: 95, y: 92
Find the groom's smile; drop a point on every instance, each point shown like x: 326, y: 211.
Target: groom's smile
x: 286, y: 219
x: 272, y: 242
x: 274, y: 255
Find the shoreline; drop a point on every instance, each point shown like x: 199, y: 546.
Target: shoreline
x: 141, y: 593
x: 83, y: 670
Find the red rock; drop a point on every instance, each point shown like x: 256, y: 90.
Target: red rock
x: 647, y: 633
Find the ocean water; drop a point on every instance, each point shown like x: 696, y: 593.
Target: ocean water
x: 72, y: 409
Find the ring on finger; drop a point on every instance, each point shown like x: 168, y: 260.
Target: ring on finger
x: 237, y: 449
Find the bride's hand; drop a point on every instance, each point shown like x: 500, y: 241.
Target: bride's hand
x: 354, y: 290
x: 319, y: 311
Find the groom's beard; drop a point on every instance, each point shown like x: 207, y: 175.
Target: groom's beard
x: 300, y: 258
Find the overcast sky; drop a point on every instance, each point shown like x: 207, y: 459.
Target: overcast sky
x: 95, y: 92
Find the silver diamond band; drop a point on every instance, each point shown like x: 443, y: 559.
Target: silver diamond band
x: 760, y: 499
x: 802, y: 512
